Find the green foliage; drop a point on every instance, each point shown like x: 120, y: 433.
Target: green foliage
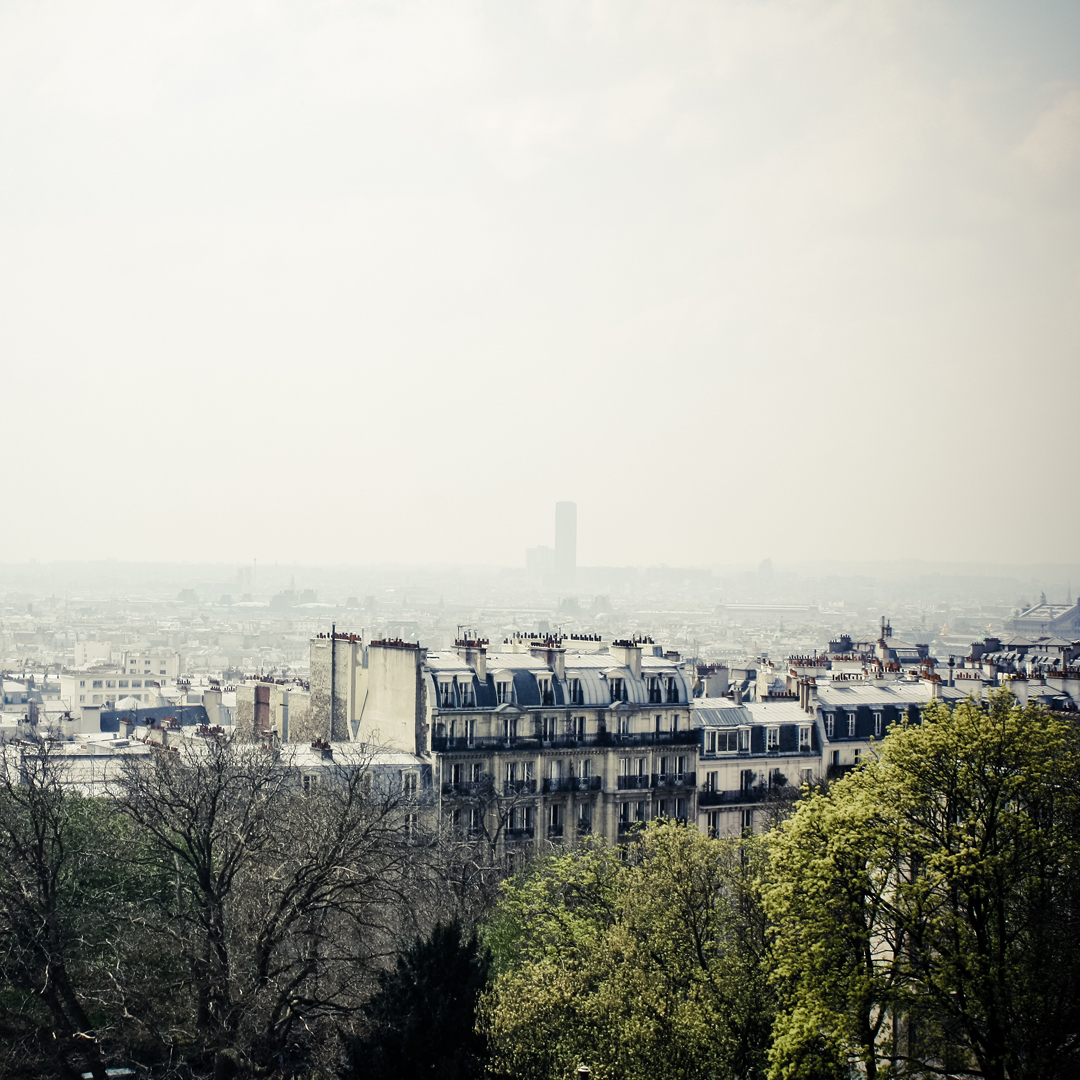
x: 925, y: 906
x: 422, y: 1020
x: 640, y: 962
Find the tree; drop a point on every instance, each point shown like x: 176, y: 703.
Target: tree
x: 422, y: 1020
x: 926, y: 906
x: 72, y: 952
x: 640, y: 961
x: 283, y: 903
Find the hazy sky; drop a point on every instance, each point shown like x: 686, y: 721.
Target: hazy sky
x: 326, y: 282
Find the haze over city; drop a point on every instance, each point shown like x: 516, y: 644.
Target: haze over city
x: 356, y: 284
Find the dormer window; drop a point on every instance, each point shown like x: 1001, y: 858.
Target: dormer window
x: 618, y: 693
x: 502, y: 692
x: 772, y: 739
x: 851, y: 724
x: 830, y: 725
x: 654, y: 689
x: 576, y: 695
x: 446, y: 695
x: 672, y: 690
x: 547, y: 697
x: 466, y: 691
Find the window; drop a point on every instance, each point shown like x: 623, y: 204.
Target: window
x: 640, y: 813
x: 477, y: 771
x: 804, y: 739
x: 476, y: 819
x: 575, y: 727
x: 82, y: 684
x: 137, y: 683
x: 123, y: 682
x: 511, y: 772
x: 109, y: 683
x: 672, y: 689
x: 712, y: 781
x: 162, y: 671
x: 680, y: 765
x: 457, y: 772
x: 662, y: 808
x: 510, y: 727
x: 576, y: 696
x: 624, y: 725
x: 624, y: 766
x: 502, y: 692
x: 877, y: 723
x: 310, y: 783
x: 410, y: 785
x: 82, y: 697
x: 617, y: 693
x: 555, y: 769
x: 654, y: 689
x: 555, y: 815
x: 851, y: 724
x: 547, y: 697
x: 710, y: 742
x: 97, y: 684
x: 674, y: 721
x: 713, y: 821
x: 624, y: 814
x: 746, y: 779
x: 446, y: 695
x: 659, y: 723
x: 830, y: 725
x: 642, y: 766
x: 584, y: 769
x: 410, y: 825
x: 748, y: 819
x: 465, y: 691
x: 836, y: 757
x: 728, y: 742
x: 97, y: 699
x: 680, y: 809
x: 858, y: 755
x: 806, y: 775
x: 772, y: 739
x: 744, y: 740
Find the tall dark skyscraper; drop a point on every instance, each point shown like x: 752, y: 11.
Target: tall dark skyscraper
x: 566, y: 543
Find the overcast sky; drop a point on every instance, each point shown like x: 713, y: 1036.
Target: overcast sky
x: 361, y: 282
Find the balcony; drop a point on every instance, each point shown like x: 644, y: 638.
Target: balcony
x: 519, y: 787
x: 518, y: 835
x: 554, y: 832
x: 465, y: 789
x: 674, y: 780
x: 460, y: 743
x: 635, y: 783
x: 555, y: 784
x: 721, y: 798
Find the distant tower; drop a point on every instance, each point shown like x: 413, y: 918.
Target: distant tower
x: 566, y: 543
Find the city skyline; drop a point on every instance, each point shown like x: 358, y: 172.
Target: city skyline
x: 813, y: 266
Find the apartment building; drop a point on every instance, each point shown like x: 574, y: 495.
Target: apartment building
x: 536, y: 740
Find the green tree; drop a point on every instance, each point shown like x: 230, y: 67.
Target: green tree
x: 642, y: 961
x: 925, y: 906
x: 422, y: 1020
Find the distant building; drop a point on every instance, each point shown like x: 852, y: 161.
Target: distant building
x: 1043, y: 619
x: 566, y: 544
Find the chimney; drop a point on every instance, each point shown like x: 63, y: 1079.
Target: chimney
x: 952, y: 669
x: 737, y: 693
x: 627, y: 654
x: 474, y: 652
x: 811, y: 694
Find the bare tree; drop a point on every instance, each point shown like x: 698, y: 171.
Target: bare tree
x: 44, y: 930
x: 284, y: 900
